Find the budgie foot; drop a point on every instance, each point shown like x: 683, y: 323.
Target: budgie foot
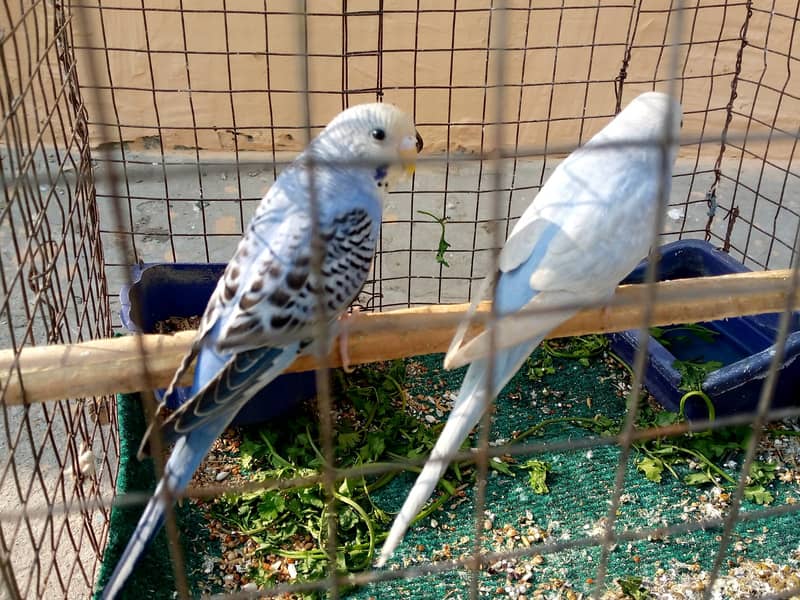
x: 343, y: 336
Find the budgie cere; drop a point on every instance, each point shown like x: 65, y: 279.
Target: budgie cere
x: 588, y: 227
x: 261, y: 314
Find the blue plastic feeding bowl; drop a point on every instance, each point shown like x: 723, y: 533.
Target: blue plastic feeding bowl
x: 161, y: 291
x: 743, y: 345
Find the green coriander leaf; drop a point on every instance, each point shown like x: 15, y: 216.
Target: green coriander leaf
x: 653, y: 468
x: 537, y: 475
x: 694, y: 372
x: 271, y: 505
x: 762, y: 472
x: 497, y: 464
x: 250, y: 451
x: 345, y: 441
x: 665, y: 418
x: 540, y: 366
x: 698, y: 478
x: 758, y: 494
x: 374, y: 447
x: 632, y: 588
x: 443, y: 243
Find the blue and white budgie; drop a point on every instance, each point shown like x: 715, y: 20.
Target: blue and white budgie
x: 588, y: 227
x: 261, y: 314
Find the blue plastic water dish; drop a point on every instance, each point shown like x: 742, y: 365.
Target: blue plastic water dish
x: 159, y: 291
x: 743, y: 345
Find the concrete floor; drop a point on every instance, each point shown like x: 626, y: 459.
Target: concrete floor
x: 206, y: 226
x: 208, y: 230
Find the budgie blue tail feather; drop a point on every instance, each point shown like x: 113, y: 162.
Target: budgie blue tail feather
x: 467, y: 410
x: 264, y: 308
x: 241, y: 378
x: 586, y: 230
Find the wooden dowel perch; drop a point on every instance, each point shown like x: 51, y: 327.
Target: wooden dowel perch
x: 115, y: 365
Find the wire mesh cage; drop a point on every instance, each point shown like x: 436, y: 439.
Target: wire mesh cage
x: 141, y: 133
x: 54, y: 290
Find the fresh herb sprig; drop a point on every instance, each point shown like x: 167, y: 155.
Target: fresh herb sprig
x: 372, y: 427
x: 697, y: 458
x: 443, y: 243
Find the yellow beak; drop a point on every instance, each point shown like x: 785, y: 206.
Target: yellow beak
x: 409, y: 149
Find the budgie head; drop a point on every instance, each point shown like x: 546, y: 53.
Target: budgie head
x: 650, y: 117
x: 379, y: 137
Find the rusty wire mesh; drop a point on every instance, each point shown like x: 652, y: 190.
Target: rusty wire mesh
x: 53, y: 291
x: 195, y: 108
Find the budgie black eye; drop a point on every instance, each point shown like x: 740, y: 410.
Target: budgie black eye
x: 378, y: 134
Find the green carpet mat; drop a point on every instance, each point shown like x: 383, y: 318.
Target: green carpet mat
x: 580, y: 484
x: 580, y: 487
x: 154, y: 576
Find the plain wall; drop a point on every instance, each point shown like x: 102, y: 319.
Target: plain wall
x: 230, y: 80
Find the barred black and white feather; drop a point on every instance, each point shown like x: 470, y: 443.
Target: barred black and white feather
x: 263, y: 311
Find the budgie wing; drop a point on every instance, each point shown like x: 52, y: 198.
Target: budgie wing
x: 567, y: 249
x: 276, y: 305
x: 523, y: 253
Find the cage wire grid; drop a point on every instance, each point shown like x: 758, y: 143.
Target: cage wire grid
x: 53, y: 290
x: 155, y: 189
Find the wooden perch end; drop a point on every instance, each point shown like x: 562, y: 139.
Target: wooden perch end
x: 114, y: 365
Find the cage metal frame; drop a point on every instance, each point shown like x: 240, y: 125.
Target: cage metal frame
x: 495, y: 191
x: 53, y: 292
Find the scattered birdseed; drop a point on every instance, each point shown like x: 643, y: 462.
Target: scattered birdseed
x: 539, y: 576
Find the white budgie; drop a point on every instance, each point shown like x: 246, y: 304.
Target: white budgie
x: 261, y: 315
x: 588, y: 227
